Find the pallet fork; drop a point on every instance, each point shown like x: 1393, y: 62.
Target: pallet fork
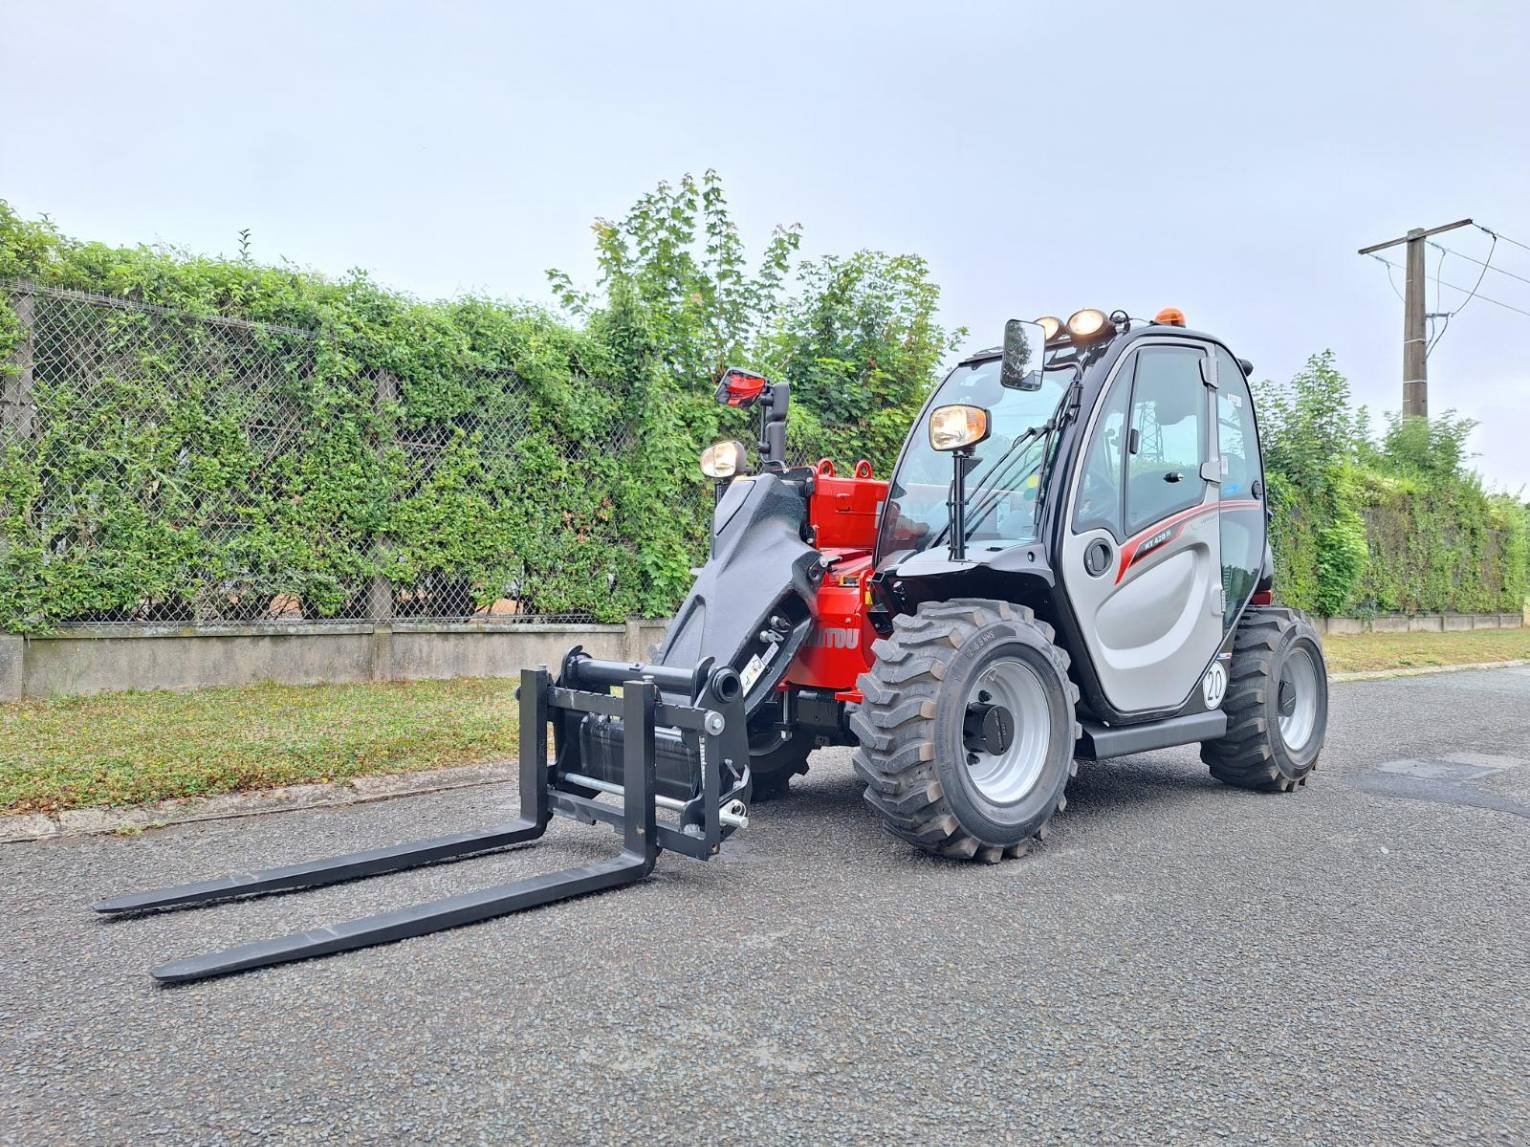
x: 699, y: 714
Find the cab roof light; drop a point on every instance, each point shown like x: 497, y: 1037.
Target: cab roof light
x: 1089, y: 324
x: 1170, y: 317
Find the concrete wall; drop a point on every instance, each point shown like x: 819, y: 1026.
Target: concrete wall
x: 74, y: 663
x: 1417, y: 623
x: 71, y: 663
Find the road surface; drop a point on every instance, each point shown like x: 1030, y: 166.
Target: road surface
x: 1348, y: 964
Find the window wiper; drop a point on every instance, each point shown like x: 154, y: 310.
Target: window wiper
x: 999, y: 492
x: 1028, y: 436
x: 1066, y: 405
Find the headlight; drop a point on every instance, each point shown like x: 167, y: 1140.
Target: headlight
x: 954, y: 427
x: 1051, y: 326
x: 724, y: 460
x: 1088, y: 324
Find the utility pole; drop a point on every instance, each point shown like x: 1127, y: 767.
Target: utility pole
x: 1415, y: 339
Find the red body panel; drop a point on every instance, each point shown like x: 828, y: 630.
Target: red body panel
x: 844, y: 513
x: 839, y: 649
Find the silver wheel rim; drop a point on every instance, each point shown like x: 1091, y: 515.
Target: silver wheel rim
x: 1008, y: 776
x: 1298, y: 699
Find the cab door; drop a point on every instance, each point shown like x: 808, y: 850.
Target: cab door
x: 1142, y: 548
x: 1242, y: 487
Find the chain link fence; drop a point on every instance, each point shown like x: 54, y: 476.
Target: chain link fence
x: 164, y: 469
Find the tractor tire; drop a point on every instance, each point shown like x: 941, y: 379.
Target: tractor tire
x: 774, y: 762
x: 940, y: 769
x: 1276, y: 704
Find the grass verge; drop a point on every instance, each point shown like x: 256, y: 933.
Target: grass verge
x: 1369, y: 651
x: 133, y: 748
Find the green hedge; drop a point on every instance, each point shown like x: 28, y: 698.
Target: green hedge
x: 151, y: 486
x: 1399, y: 525
x: 187, y: 465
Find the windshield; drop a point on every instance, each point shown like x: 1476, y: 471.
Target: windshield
x: 1004, y: 476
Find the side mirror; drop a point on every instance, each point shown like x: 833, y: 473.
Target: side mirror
x: 1024, y: 345
x: 740, y: 388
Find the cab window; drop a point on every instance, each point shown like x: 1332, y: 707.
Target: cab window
x: 1099, y: 496
x: 1166, y: 436
x: 1242, y: 489
x: 1236, y: 434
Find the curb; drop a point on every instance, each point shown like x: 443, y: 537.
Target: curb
x: 288, y: 798
x: 1422, y: 670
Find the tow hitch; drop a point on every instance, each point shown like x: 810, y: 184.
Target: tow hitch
x: 672, y: 740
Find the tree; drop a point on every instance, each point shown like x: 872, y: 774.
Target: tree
x: 677, y: 260
x: 861, y: 347
x: 857, y: 338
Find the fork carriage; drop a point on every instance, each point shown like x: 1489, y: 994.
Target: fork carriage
x: 670, y: 741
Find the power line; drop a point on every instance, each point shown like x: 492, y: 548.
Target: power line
x: 1466, y: 291
x: 1445, y: 326
x: 1479, y: 262
x: 1505, y: 238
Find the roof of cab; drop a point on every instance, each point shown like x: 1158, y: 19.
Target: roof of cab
x: 1139, y: 329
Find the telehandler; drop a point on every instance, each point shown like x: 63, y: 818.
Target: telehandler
x: 1070, y: 561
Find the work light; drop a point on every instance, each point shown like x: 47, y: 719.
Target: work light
x: 724, y: 460
x: 958, y: 426
x: 1051, y: 326
x: 1088, y: 324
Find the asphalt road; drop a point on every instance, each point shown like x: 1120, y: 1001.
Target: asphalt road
x: 1348, y: 964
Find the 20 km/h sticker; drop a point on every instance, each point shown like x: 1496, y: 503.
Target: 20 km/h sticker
x: 1214, y: 684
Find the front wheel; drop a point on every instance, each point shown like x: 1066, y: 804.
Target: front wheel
x: 967, y: 731
x: 1276, y: 704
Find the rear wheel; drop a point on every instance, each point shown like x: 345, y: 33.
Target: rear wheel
x: 774, y: 761
x: 967, y: 730
x: 1276, y: 704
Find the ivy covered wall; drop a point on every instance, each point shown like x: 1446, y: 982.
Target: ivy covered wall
x: 231, y: 442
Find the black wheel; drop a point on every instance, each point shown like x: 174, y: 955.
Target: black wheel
x: 967, y: 731
x: 774, y: 761
x: 1276, y: 704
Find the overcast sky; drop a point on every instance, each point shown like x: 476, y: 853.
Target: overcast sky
x: 1041, y: 157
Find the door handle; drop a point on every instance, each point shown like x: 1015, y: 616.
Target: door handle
x: 1173, y: 476
x: 1097, y: 557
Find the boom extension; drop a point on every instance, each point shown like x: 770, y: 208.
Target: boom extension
x: 707, y: 730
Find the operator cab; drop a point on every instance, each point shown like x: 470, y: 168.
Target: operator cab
x: 1111, y: 481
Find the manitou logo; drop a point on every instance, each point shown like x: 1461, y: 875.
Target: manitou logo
x: 837, y: 638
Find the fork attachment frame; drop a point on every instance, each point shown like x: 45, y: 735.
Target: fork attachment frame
x: 708, y: 722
